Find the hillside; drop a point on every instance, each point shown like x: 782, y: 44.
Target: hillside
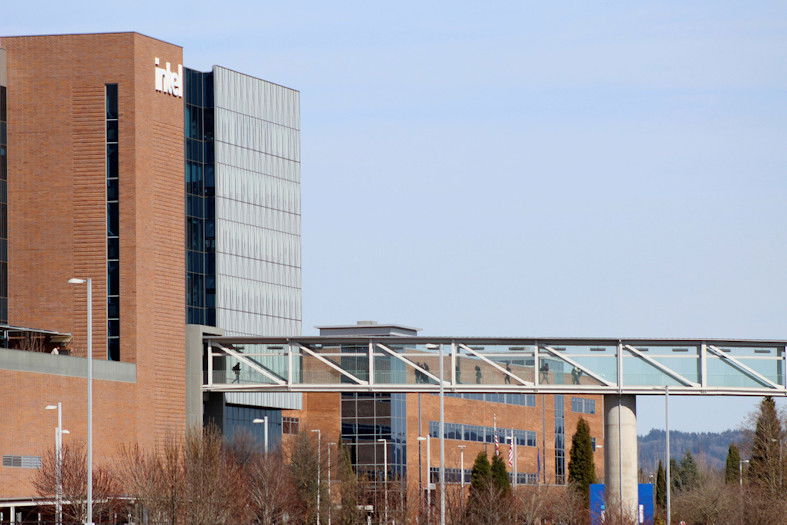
x: 710, y: 447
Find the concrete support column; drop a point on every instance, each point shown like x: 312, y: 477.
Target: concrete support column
x: 620, y: 452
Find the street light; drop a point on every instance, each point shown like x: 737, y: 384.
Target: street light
x: 59, y: 431
x: 319, y: 461
x: 264, y: 422
x: 428, y: 475
x: 781, y: 463
x: 442, y: 430
x: 330, y: 504
x: 385, y: 476
x: 740, y: 470
x: 462, y: 464
x: 89, y: 283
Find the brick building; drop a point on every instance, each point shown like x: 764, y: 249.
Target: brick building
x: 178, y: 193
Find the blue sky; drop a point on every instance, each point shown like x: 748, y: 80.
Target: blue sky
x: 519, y: 168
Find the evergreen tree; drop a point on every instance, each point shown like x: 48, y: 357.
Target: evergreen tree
x: 674, y: 475
x: 481, y: 475
x: 661, y: 487
x: 732, y: 466
x: 499, y: 476
x: 689, y: 472
x: 764, y: 468
x: 581, y: 468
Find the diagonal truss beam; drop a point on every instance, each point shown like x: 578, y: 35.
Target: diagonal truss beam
x: 251, y: 364
x: 570, y: 361
x: 492, y: 363
x: 411, y: 363
x: 749, y: 371
x: 662, y: 367
x: 332, y: 364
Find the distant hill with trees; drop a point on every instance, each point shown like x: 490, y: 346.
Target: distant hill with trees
x: 709, y: 448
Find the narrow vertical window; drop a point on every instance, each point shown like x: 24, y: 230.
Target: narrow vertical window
x: 560, y: 451
x: 113, y: 223
x: 3, y: 208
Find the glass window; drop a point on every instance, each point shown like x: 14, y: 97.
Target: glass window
x: 113, y: 278
x: 112, y: 101
x: 113, y: 325
x: 112, y: 160
x: 113, y: 248
x: 113, y: 307
x: 112, y: 130
x: 113, y: 219
x: 112, y: 189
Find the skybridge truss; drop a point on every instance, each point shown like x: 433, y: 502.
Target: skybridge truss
x: 502, y: 365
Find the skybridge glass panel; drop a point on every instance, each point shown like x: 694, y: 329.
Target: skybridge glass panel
x: 764, y: 364
x: 599, y: 359
x: 410, y: 364
x: 683, y: 361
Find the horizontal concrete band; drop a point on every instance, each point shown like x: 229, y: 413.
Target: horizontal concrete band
x: 69, y: 366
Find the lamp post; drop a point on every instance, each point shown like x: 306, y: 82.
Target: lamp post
x: 740, y: 471
x: 781, y: 463
x: 319, y: 461
x: 385, y: 477
x: 666, y: 425
x: 428, y: 476
x: 330, y: 501
x: 462, y: 465
x: 264, y: 422
x: 89, y: 503
x: 442, y: 430
x: 59, y: 431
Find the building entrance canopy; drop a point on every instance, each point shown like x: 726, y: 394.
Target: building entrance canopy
x: 472, y: 364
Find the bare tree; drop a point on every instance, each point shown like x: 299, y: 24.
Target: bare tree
x: 106, y: 489
x: 271, y: 489
x: 195, y: 481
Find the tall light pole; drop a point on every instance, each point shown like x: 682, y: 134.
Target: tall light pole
x: 330, y: 501
x: 442, y: 431
x: 89, y: 283
x: 740, y: 470
x: 462, y: 465
x: 781, y: 464
x: 264, y: 422
x: 428, y: 476
x: 666, y: 424
x: 385, y: 477
x: 59, y: 431
x: 319, y: 462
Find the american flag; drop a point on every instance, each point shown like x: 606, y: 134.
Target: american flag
x: 497, y: 445
x: 511, y: 455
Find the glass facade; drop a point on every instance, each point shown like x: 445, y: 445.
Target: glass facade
x: 560, y: 440
x: 113, y: 222
x: 239, y: 420
x: 526, y: 400
x: 257, y: 205
x: 454, y: 475
x: 583, y: 406
x: 3, y: 207
x: 483, y: 434
x: 367, y: 418
x: 200, y: 199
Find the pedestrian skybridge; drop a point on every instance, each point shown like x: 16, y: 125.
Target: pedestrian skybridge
x: 473, y: 364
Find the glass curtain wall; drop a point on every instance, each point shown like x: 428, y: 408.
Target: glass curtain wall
x: 200, y: 200
x: 367, y: 418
